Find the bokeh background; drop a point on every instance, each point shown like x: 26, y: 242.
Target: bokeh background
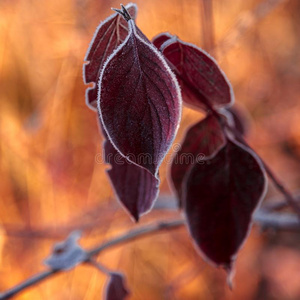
x: 51, y: 182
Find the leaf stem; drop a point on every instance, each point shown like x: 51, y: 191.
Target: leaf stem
x: 99, y: 266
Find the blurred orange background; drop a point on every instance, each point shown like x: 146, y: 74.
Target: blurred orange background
x: 52, y: 184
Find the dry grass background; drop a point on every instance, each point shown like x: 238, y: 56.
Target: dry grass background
x: 50, y: 183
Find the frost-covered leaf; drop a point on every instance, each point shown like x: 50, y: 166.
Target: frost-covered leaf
x: 158, y: 40
x: 116, y: 288
x: 201, y: 79
x: 66, y: 254
x: 220, y: 197
x: 140, y: 102
x: 108, y: 36
x: 136, y: 188
x: 201, y: 141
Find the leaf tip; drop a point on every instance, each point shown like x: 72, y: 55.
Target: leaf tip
x: 230, y: 275
x: 136, y: 217
x: 123, y: 12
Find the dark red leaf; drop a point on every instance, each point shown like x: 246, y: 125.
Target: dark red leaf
x: 158, y: 40
x: 202, y: 141
x: 108, y: 36
x: 140, y: 102
x: 220, y: 197
x: 116, y: 289
x: 203, y: 83
x: 136, y: 188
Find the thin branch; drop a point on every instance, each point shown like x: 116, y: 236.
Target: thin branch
x: 27, y: 283
x: 131, y: 235
x: 164, y: 202
x: 288, y: 195
x: 262, y: 217
x: 127, y: 237
x: 276, y: 203
x: 278, y: 221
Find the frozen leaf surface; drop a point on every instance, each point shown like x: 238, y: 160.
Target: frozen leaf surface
x: 203, y: 83
x: 159, y: 40
x: 116, y: 289
x: 202, y: 140
x: 140, y: 102
x: 220, y: 197
x: 108, y: 36
x: 136, y: 188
